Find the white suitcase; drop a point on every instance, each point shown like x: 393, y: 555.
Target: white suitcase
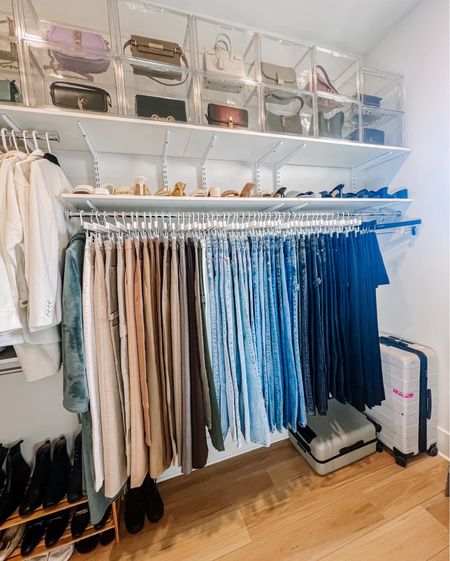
x: 407, y: 419
x: 332, y: 441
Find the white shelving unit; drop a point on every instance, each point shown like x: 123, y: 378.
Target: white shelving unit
x: 130, y: 203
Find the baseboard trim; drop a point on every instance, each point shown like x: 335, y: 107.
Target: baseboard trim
x: 444, y: 443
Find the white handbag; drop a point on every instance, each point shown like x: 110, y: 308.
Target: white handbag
x: 220, y: 58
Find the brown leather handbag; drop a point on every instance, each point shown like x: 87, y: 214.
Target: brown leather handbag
x: 226, y: 116
x: 324, y: 84
x: 162, y: 52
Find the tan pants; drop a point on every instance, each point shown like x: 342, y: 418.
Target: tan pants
x: 157, y: 448
x: 114, y: 460
x: 139, y: 451
x: 140, y: 335
x: 155, y: 264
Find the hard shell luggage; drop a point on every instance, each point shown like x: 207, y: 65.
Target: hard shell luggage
x: 407, y: 418
x: 332, y: 441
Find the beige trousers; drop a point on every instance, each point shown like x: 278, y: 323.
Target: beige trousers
x: 123, y: 347
x: 139, y: 451
x: 140, y: 336
x: 157, y: 448
x: 114, y: 460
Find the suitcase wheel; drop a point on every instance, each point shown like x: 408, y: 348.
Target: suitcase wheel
x: 401, y: 460
x: 380, y: 446
x: 432, y: 450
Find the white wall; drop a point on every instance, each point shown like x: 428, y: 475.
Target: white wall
x: 416, y: 305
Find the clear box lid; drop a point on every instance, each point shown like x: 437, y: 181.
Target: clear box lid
x: 47, y: 20
x: 285, y: 63
x: 382, y: 89
x: 225, y: 49
x: 155, y: 26
x: 335, y: 72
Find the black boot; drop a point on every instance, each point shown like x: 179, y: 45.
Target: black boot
x: 17, y: 475
x: 154, y: 506
x: 134, y: 510
x: 87, y: 545
x: 107, y: 537
x: 74, y: 491
x: 80, y: 520
x: 37, y: 485
x: 34, y: 532
x: 56, y: 526
x: 103, y: 521
x: 59, y: 474
x: 3, y: 453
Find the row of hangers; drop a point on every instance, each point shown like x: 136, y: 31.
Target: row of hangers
x: 23, y: 136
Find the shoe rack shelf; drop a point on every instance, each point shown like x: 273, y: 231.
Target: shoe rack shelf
x: 16, y: 519
x: 130, y: 203
x: 66, y: 539
x: 138, y: 136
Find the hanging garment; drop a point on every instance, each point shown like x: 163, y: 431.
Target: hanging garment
x: 114, y: 460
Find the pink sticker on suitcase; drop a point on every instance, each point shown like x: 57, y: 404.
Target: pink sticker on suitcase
x: 401, y: 394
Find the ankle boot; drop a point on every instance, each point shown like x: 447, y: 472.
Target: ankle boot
x: 56, y: 526
x: 17, y: 475
x: 34, y: 532
x: 134, y: 510
x: 37, y: 485
x: 59, y: 474
x: 74, y: 490
x: 154, y: 506
x: 80, y: 520
x: 3, y: 453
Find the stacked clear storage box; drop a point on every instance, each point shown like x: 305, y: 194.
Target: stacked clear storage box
x: 142, y: 60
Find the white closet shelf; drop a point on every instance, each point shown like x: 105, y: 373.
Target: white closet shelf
x: 134, y: 203
x: 126, y: 135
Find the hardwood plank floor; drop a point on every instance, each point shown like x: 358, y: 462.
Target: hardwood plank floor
x: 268, y: 505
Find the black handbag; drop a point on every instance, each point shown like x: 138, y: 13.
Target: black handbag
x: 161, y: 108
x: 284, y: 122
x: 78, y: 96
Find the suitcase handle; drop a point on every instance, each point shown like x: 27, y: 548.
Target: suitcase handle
x: 347, y: 449
x: 429, y: 404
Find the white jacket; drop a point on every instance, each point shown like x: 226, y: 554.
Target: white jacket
x: 48, y: 239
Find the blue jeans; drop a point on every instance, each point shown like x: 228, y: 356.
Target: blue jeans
x: 269, y: 354
x: 232, y: 388
x: 259, y: 427
x: 293, y: 290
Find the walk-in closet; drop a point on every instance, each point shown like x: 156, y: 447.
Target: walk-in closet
x: 224, y: 271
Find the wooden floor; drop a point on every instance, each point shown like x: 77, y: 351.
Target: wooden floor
x: 268, y: 505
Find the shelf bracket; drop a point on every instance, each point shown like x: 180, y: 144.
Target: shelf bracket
x: 205, y: 156
x: 165, y: 172
x: 93, y: 152
x: 284, y: 161
x: 260, y: 161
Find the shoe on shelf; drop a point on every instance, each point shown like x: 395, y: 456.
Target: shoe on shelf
x: 17, y: 476
x: 381, y: 193
x: 56, y: 526
x: 163, y: 192
x: 248, y: 190
x: 292, y: 194
x: 107, y: 537
x: 280, y: 193
x: 34, y: 532
x: 80, y: 520
x: 214, y: 191
x: 154, y: 506
x: 200, y: 193
x: 401, y: 194
x: 134, y: 510
x: 74, y: 487
x: 10, y: 539
x: 59, y: 474
x: 87, y: 545
x: 37, y: 485
x: 62, y: 553
x: 230, y: 193
x: 179, y: 189
x: 3, y: 453
x: 104, y: 520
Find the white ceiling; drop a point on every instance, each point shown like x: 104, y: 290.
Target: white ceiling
x: 349, y: 25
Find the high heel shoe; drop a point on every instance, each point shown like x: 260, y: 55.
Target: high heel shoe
x: 163, y: 192
x: 308, y: 194
x: 338, y: 189
x: 37, y: 485
x: 178, y: 190
x: 17, y: 475
x: 230, y: 193
x: 280, y: 194
x: 248, y: 190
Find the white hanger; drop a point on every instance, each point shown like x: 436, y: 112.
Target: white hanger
x: 4, y: 141
x: 13, y: 136
x: 24, y: 138
x: 47, y: 139
x: 34, y: 135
